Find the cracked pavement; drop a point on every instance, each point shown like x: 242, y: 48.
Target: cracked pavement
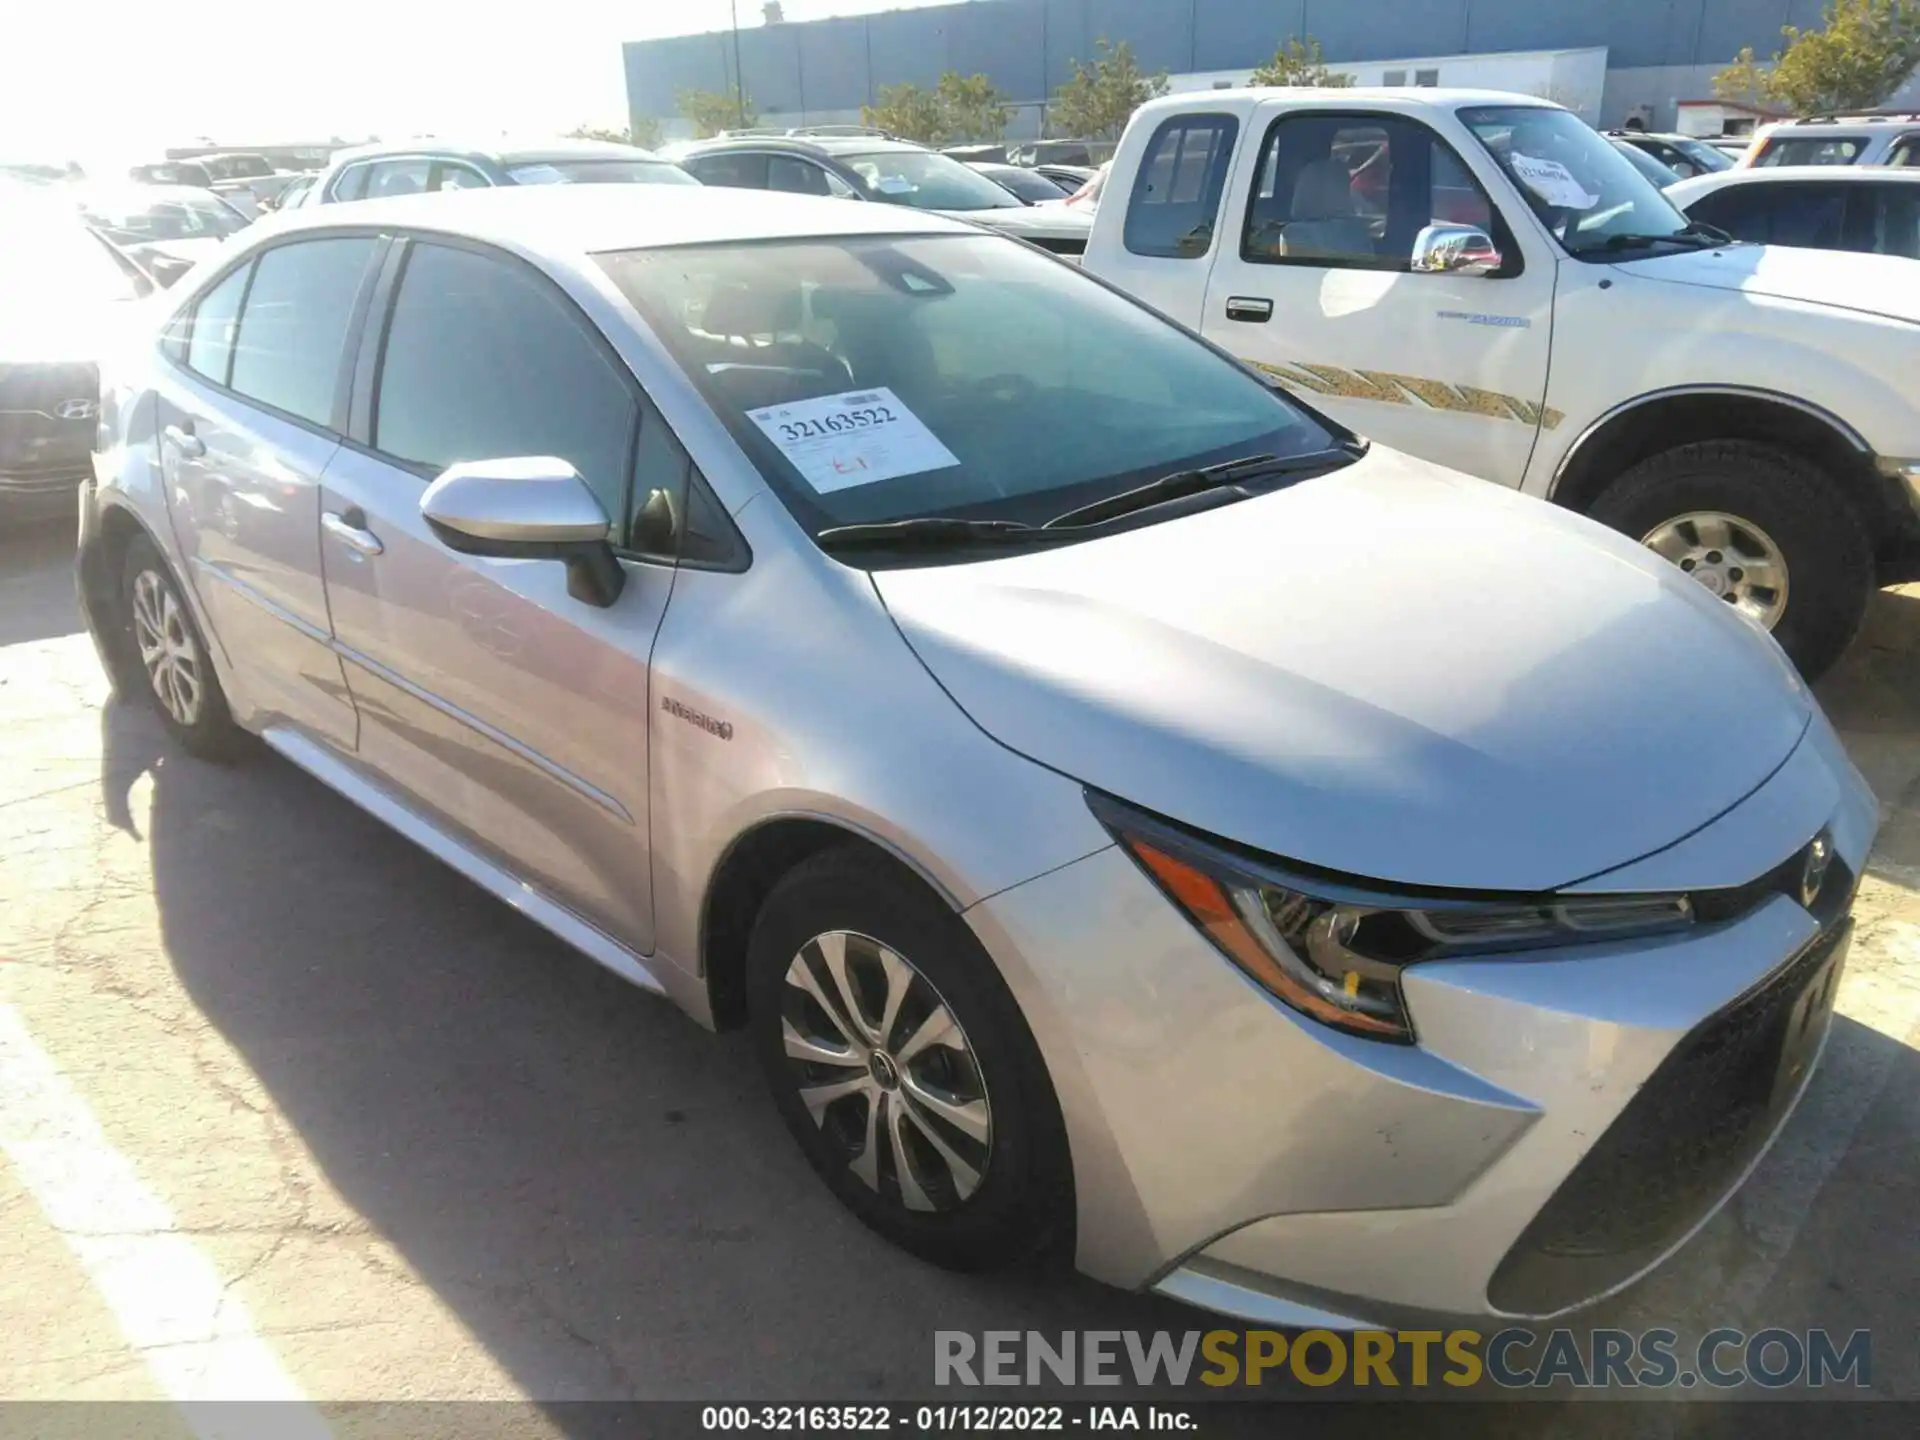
x: 431, y: 1153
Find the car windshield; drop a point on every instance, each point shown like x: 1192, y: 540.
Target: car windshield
x: 137, y: 219
x: 599, y: 172
x: 926, y: 181
x: 1702, y: 154
x: 879, y: 379
x: 1584, y: 190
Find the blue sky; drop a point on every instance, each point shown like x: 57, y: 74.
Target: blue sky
x: 123, y: 78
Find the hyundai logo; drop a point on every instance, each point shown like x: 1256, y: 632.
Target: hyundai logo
x: 1813, y: 873
x: 75, y: 410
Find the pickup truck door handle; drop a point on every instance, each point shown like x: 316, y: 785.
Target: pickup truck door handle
x: 182, y: 438
x: 1249, y: 308
x: 349, y: 527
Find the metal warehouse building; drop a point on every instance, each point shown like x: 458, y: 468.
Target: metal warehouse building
x: 1644, y: 56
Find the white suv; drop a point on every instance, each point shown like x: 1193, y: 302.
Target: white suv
x: 1484, y: 281
x: 1892, y: 138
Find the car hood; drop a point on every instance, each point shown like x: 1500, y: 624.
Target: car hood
x: 1395, y: 671
x: 1873, y: 284
x: 1054, y: 222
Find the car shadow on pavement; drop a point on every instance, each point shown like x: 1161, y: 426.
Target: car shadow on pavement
x: 595, y: 1186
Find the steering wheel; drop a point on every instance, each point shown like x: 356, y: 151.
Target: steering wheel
x: 1007, y: 389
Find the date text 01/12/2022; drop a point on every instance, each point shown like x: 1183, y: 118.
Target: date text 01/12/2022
x: 938, y: 1419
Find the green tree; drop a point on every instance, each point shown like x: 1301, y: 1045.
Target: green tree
x: 1299, y: 62
x: 712, y: 111
x: 971, y: 108
x: 1863, y: 51
x: 1100, y: 98
x: 907, y: 110
x: 644, y: 132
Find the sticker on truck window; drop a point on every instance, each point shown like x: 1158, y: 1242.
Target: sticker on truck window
x: 1552, y: 182
x: 859, y: 437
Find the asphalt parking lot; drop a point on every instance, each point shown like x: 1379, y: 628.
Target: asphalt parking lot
x: 289, y: 1110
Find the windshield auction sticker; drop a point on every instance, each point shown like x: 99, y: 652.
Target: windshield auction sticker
x: 860, y: 437
x: 1552, y: 182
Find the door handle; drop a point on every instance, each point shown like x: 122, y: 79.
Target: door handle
x: 1249, y: 308
x: 185, y: 441
x: 349, y: 527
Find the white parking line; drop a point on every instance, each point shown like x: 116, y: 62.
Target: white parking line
x: 170, y: 1303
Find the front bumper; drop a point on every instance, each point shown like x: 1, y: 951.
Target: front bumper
x: 1566, y: 1120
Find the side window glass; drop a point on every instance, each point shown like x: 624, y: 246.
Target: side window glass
x: 1898, y: 221
x: 352, y: 184
x: 215, y: 318
x: 799, y: 177
x: 295, y: 324
x: 1176, y: 194
x: 744, y: 172
x: 1905, y: 152
x: 449, y: 176
x: 398, y: 177
x: 1457, y: 197
x: 659, y: 489
x: 483, y: 363
x: 1324, y: 189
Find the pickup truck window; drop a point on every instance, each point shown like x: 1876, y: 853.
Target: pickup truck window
x: 874, y: 379
x: 1176, y: 194
x: 1585, y: 192
x: 1354, y: 191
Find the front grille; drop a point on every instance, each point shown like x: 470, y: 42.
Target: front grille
x: 1677, y: 1147
x: 52, y: 481
x: 33, y: 436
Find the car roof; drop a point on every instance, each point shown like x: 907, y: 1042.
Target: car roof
x: 1400, y: 97
x: 507, y: 152
x: 807, y: 144
x: 1691, y: 189
x: 591, y: 219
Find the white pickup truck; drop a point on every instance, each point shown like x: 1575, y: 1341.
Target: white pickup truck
x: 1482, y: 280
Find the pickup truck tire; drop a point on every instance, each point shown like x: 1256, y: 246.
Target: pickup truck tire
x: 1829, y: 560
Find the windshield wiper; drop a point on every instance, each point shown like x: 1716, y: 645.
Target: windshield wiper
x: 1183, y: 483
x: 928, y: 530
x: 1700, y: 237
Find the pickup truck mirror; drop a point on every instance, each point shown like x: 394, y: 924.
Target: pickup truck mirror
x: 1454, y: 250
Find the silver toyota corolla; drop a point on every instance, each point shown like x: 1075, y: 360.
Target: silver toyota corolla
x: 1125, y: 809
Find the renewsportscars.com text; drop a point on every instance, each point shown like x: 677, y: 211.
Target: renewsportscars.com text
x: 1512, y: 1359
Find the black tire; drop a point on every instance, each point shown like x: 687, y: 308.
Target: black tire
x: 210, y: 732
x: 1828, y: 556
x: 1023, y: 1202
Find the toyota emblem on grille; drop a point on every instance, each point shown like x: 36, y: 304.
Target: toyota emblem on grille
x: 1813, y: 874
x: 80, y: 409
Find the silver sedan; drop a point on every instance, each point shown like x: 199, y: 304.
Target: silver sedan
x: 1127, y: 810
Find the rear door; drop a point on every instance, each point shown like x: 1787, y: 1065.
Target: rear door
x: 248, y: 415
x: 1313, y: 284
x: 512, y: 714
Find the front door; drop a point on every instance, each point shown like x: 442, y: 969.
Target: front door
x: 245, y: 418
x: 489, y: 698
x: 1312, y: 285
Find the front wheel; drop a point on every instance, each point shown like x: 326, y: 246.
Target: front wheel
x: 902, y: 1066
x: 1766, y: 532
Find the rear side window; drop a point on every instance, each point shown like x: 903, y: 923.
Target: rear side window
x: 398, y: 177
x: 294, y: 327
x: 1810, y: 150
x: 210, y: 337
x: 1905, y: 152
x: 352, y: 184
x: 1176, y: 194
x: 482, y: 362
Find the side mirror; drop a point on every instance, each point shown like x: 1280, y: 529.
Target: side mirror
x: 527, y: 508
x: 1454, y: 250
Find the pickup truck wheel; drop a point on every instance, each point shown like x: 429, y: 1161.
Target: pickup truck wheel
x: 1761, y: 528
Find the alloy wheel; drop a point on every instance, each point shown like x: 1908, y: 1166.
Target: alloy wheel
x: 167, y: 647
x: 1733, y: 558
x: 885, y: 1069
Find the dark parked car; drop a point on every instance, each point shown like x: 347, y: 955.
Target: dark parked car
x: 64, y: 293
x: 1021, y: 182
x: 371, y: 172
x: 1685, y: 155
x: 166, y: 228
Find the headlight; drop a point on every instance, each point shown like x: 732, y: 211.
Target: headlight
x: 1334, y: 949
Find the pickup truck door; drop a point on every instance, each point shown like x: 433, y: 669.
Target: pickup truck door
x: 1312, y: 285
